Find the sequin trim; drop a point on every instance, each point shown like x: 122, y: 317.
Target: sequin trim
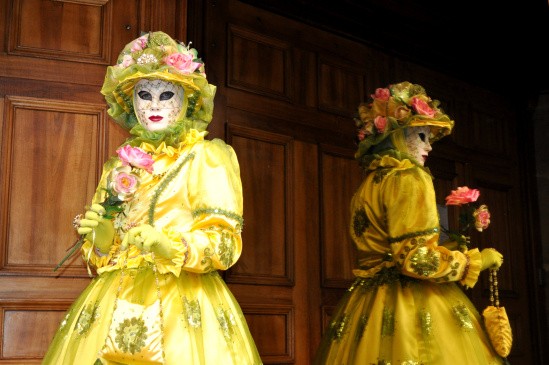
x: 413, y: 234
x: 164, y: 184
x: 383, y: 277
x: 237, y: 217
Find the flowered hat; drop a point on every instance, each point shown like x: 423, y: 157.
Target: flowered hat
x: 156, y: 55
x: 395, y: 107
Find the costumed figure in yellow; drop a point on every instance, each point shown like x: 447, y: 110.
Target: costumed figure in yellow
x: 166, y: 216
x: 405, y: 307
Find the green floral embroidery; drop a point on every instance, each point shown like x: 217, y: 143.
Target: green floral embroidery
x: 131, y: 335
x: 226, y: 248
x: 191, y: 312
x: 338, y: 327
x: 226, y: 322
x: 207, y: 259
x: 362, y: 322
x: 461, y: 313
x: 426, y: 323
x: 384, y: 276
x: 87, y: 318
x: 237, y: 217
x: 388, y: 323
x: 425, y: 262
x: 360, y: 222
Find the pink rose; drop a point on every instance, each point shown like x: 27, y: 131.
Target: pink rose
x: 381, y: 94
x: 140, y: 43
x: 182, y: 62
x: 126, y: 61
x: 135, y: 157
x: 421, y: 107
x: 380, y: 122
x: 462, y: 195
x: 482, y: 217
x: 123, y: 183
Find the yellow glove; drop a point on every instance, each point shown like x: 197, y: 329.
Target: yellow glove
x: 491, y: 259
x: 93, y: 223
x: 147, y: 238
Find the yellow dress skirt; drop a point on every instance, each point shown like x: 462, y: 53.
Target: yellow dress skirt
x: 200, y: 322
x: 405, y: 322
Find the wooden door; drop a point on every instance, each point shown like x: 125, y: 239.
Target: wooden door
x: 285, y: 100
x: 55, y: 135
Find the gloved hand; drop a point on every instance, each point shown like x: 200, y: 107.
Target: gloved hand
x: 93, y: 221
x: 491, y: 259
x: 147, y: 238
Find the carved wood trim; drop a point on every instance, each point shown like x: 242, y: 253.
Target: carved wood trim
x: 83, y: 2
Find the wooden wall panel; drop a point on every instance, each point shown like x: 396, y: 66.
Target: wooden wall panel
x: 266, y: 173
x: 273, y: 330
x: 341, y: 87
x: 258, y: 63
x: 45, y: 177
x: 340, y: 177
x: 82, y: 32
x: 22, y: 338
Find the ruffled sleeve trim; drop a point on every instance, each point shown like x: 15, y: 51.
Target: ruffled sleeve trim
x: 472, y: 268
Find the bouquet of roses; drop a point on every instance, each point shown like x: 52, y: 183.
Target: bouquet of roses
x: 472, y: 214
x: 122, y: 183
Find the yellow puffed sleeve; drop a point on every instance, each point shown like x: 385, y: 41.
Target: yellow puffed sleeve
x: 413, y: 230
x: 215, y: 196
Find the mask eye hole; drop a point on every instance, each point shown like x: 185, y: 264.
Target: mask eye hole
x: 422, y: 136
x: 166, y: 95
x: 145, y: 95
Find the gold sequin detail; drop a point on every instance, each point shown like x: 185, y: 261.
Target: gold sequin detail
x: 362, y: 322
x: 87, y: 318
x: 425, y: 321
x: 226, y: 248
x: 338, y: 327
x: 226, y: 322
x: 461, y: 313
x: 131, y: 335
x: 424, y: 261
x: 388, y: 323
x: 191, y: 312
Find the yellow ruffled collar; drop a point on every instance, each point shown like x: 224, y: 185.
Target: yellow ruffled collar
x: 388, y: 161
x: 192, y: 137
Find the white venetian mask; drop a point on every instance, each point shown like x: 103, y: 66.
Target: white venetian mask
x: 417, y: 142
x: 157, y: 103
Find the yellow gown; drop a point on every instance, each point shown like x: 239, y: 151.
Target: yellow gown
x: 194, y: 196
x: 404, y: 308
